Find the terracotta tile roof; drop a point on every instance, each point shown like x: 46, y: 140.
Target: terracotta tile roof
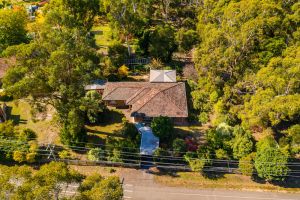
x: 151, y: 99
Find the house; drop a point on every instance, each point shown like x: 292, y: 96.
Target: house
x: 146, y: 100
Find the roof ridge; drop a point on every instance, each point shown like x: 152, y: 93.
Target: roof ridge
x: 160, y: 91
x: 118, y: 87
x: 136, y: 94
x: 149, y: 99
x: 168, y: 96
x: 109, y: 93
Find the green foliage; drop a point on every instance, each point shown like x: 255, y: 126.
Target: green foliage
x: 179, y: 146
x: 97, y: 188
x: 46, y: 183
x: 89, y: 182
x: 13, y: 27
x: 130, y: 131
x: 271, y: 164
x: 247, y: 64
x: 123, y: 72
x: 266, y: 142
x: 163, y: 128
x: 117, y: 54
x: 186, y: 39
x: 221, y: 154
x: 43, y: 183
x: 73, y: 131
x: 196, y: 161
x: 19, y: 147
x: 242, y: 143
x: 115, y: 156
x: 220, y: 138
x: 27, y: 135
x: 72, y: 14
x: 92, y: 105
x: 65, y: 154
x: 154, y: 38
x: 55, y: 66
x: 293, y: 134
x: 196, y: 165
x: 246, y: 164
x: 96, y: 154
x: 7, y: 129
x: 19, y: 156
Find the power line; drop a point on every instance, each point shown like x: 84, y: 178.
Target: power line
x: 84, y: 149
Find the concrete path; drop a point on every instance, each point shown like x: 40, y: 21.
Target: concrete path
x: 141, y: 186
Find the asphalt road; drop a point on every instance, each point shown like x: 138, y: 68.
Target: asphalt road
x: 136, y: 192
x: 142, y: 187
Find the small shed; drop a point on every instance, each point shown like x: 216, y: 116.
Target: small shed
x: 163, y: 76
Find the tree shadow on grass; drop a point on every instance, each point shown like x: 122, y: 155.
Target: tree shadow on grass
x: 15, y: 118
x: 109, y: 117
x: 212, y: 175
x: 114, y: 134
x: 162, y: 172
x: 94, y: 139
x: 289, y: 182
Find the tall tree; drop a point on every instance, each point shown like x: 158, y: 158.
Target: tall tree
x: 55, y: 66
x: 12, y: 27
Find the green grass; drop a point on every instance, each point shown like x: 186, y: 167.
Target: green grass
x: 228, y: 181
x: 102, y: 37
x: 111, y: 123
x: 46, y: 130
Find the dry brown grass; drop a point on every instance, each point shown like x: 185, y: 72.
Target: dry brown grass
x: 228, y: 181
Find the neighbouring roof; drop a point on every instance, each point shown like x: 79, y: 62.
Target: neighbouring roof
x: 163, y: 76
x: 97, y: 85
x: 150, y: 99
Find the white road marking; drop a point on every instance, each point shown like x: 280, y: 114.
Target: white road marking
x: 128, y: 185
x: 125, y: 197
x: 128, y: 191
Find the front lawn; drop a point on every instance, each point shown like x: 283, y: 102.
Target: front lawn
x: 110, y: 124
x: 20, y: 113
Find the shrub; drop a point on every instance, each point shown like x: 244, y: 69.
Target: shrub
x: 242, y: 144
x: 186, y: 39
x: 115, y: 156
x: 179, y: 146
x: 221, y: 154
x: 271, y: 164
x: 123, y: 72
x: 96, y: 154
x: 196, y: 165
x: 130, y: 131
x: 19, y: 156
x: 64, y: 154
x: 246, y: 164
x: 30, y: 157
x: 27, y: 135
x: 73, y: 131
x: 163, y: 128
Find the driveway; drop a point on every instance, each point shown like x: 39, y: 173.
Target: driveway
x: 139, y: 185
x: 149, y: 142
